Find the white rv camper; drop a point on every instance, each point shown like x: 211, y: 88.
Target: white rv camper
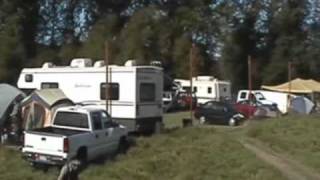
x: 207, y: 88
x: 136, y: 91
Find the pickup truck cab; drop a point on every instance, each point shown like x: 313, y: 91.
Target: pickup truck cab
x: 77, y: 132
x: 255, y: 96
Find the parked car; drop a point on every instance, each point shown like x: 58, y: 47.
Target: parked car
x: 218, y: 113
x: 76, y: 133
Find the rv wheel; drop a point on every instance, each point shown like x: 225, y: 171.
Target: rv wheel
x: 202, y: 120
x: 158, y: 127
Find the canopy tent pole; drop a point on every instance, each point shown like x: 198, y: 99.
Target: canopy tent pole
x: 289, y: 85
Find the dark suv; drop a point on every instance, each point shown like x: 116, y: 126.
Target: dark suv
x: 218, y: 113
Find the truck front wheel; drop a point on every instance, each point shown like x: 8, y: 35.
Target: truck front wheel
x: 123, y: 145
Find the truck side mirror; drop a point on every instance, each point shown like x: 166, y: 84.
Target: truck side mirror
x: 114, y: 124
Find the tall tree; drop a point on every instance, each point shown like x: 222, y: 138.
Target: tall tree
x: 12, y: 51
x: 65, y: 21
x: 289, y: 35
x: 241, y: 41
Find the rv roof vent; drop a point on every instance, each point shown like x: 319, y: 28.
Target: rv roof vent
x: 130, y: 63
x: 99, y: 63
x: 156, y: 63
x: 113, y: 65
x: 205, y: 78
x: 81, y: 62
x: 47, y: 65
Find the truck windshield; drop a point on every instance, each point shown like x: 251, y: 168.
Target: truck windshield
x: 71, y: 119
x: 260, y: 96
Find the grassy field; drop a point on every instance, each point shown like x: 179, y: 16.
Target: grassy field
x: 296, y: 136
x: 186, y: 154
x: 13, y: 167
x: 172, y: 120
x: 211, y: 152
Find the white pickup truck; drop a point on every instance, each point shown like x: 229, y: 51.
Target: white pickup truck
x: 77, y: 132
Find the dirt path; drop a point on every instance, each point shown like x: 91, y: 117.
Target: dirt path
x: 292, y: 169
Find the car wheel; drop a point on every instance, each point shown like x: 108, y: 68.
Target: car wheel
x: 232, y: 122
x: 202, y: 120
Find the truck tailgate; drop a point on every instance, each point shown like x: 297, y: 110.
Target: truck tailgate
x: 44, y: 142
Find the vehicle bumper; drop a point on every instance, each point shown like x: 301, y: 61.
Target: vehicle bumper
x: 44, y: 158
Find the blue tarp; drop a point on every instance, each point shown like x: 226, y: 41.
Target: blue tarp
x: 302, y: 105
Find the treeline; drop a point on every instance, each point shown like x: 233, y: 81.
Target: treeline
x: 225, y: 32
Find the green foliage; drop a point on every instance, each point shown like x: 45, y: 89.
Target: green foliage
x: 236, y: 52
x: 11, y: 50
x: 45, y: 54
x: 224, y: 32
x: 103, y: 30
x: 144, y: 38
x: 182, y: 57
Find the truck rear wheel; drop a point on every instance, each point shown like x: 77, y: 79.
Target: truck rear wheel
x: 82, y: 155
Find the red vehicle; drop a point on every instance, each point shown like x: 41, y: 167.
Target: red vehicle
x: 246, y: 108
x: 184, y: 100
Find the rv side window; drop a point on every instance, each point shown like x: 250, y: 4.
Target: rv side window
x: 147, y: 92
x: 209, y: 90
x: 195, y: 89
x: 28, y: 78
x: 113, y: 91
x: 46, y: 85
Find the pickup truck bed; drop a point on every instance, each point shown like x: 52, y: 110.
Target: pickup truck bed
x: 59, y: 131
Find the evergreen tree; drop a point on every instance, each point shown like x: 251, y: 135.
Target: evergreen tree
x: 12, y: 51
x: 288, y: 34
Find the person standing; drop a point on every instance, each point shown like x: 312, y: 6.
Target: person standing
x: 70, y: 171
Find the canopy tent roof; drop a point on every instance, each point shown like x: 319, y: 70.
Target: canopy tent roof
x: 8, y: 94
x: 49, y: 97
x: 299, y: 86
